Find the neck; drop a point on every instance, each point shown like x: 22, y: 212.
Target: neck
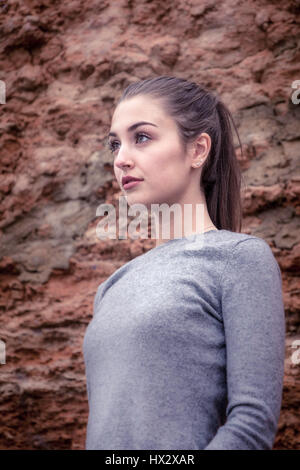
x: 185, y: 220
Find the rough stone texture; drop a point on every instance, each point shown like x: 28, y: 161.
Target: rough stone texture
x: 65, y: 64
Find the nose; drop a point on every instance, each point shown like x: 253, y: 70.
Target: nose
x: 123, y: 160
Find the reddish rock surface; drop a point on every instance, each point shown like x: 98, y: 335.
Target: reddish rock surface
x: 65, y: 64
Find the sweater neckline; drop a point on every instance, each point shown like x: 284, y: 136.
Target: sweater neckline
x: 184, y: 239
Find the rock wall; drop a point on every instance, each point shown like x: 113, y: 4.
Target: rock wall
x: 65, y: 64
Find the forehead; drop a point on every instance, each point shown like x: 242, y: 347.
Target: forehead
x: 139, y: 108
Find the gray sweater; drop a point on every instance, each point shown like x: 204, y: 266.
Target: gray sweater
x: 186, y: 348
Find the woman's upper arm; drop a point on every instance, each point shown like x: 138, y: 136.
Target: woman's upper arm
x: 254, y: 326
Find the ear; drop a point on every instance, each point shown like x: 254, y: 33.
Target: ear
x: 200, y: 148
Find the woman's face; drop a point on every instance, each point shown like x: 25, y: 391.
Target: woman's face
x: 152, y: 152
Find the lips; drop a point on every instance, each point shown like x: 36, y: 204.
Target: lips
x: 131, y: 184
x: 129, y: 179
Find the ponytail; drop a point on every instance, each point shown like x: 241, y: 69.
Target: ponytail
x: 221, y: 178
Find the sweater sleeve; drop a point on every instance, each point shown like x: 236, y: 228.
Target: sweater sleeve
x: 254, y: 326
x: 97, y: 299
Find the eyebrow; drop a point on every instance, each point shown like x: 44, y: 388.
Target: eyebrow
x: 134, y: 126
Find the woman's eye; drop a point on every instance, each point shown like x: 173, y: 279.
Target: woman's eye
x: 114, y: 144
x: 111, y: 146
x: 139, y: 134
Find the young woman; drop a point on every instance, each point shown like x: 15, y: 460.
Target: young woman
x: 186, y: 346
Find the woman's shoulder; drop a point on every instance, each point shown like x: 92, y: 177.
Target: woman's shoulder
x: 241, y: 242
x: 250, y: 254
x: 238, y: 237
x: 247, y: 243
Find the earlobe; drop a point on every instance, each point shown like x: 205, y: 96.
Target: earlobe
x: 197, y: 164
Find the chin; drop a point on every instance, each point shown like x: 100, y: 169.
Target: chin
x: 135, y: 199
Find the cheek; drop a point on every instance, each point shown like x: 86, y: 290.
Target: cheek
x: 167, y: 183
x: 117, y: 173
x: 164, y: 159
x: 170, y: 167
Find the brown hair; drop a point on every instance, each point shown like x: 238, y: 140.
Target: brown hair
x: 195, y: 109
